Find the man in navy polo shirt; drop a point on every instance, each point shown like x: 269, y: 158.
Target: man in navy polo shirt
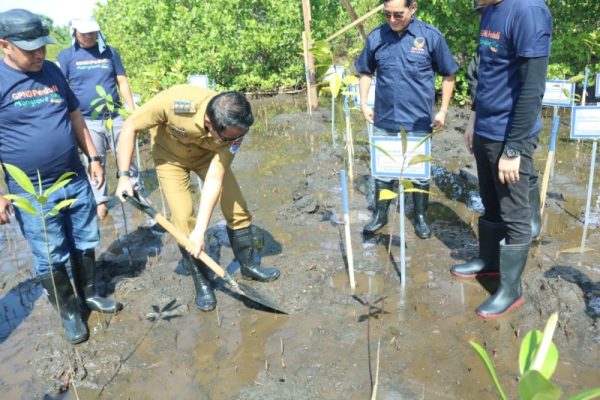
x: 41, y: 128
x: 87, y: 64
x: 406, y: 53
x: 514, y: 47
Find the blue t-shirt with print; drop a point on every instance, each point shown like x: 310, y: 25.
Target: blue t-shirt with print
x: 87, y: 68
x: 35, y: 123
x: 406, y: 66
x: 509, y: 30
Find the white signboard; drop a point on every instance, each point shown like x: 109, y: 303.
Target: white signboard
x: 199, y: 80
x: 597, y: 86
x: 559, y: 93
x: 585, y: 122
x: 392, y: 164
x: 353, y: 88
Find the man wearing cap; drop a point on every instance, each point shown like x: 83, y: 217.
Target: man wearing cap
x: 406, y: 53
x: 514, y: 48
x: 89, y: 63
x: 41, y: 128
x: 196, y: 129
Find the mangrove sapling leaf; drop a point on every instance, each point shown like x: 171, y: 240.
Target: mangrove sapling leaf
x: 60, y: 182
x: 527, y: 353
x: 20, y: 177
x: 96, y: 101
x: 22, y: 202
x: 384, y: 151
x: 109, y: 124
x: 404, y: 138
x: 587, y: 395
x: 100, y: 90
x: 335, y: 83
x: 60, y: 206
x: 387, y: 194
x: 490, y: 367
x: 419, y: 158
x: 533, y: 386
x: 543, y: 349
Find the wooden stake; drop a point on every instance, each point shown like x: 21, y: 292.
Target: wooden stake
x: 349, y: 255
x: 353, y: 24
x: 307, y: 73
x: 310, y: 61
x: 354, y: 17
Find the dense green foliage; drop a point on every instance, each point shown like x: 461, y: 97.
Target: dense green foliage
x: 257, y: 45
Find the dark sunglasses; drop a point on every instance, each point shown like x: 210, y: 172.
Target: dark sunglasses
x: 396, y: 15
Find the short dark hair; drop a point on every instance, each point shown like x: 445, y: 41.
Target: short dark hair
x: 229, y: 109
x: 407, y: 3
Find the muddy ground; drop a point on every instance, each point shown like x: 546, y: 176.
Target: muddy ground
x: 160, y: 346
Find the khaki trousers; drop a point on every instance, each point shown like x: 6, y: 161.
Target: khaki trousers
x: 175, y: 181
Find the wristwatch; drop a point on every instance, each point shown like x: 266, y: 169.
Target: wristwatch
x: 123, y: 173
x: 95, y: 158
x: 511, y: 152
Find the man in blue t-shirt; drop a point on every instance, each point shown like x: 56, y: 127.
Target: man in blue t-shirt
x: 41, y: 128
x: 87, y: 64
x: 406, y: 53
x: 514, y: 48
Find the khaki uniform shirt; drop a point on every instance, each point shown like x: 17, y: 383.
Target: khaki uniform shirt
x: 175, y: 118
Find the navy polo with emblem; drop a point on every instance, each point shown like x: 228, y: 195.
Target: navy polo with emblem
x: 509, y: 30
x: 406, y: 65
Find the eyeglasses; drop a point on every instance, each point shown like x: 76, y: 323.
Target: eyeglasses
x: 396, y: 15
x: 226, y: 139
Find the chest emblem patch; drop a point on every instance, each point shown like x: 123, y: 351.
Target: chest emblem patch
x: 419, y: 42
x: 235, y: 146
x: 184, y: 107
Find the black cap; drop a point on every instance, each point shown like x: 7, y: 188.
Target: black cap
x: 24, y: 29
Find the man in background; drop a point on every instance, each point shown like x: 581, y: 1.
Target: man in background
x: 41, y: 129
x: 89, y: 63
x: 406, y: 53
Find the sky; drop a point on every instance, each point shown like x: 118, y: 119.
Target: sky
x: 60, y: 11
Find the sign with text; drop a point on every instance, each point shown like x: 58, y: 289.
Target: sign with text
x: 199, y: 80
x: 353, y: 88
x: 392, y: 164
x: 585, y: 122
x: 559, y: 93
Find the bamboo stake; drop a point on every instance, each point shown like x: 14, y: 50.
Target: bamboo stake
x: 549, y: 162
x: 306, y: 72
x: 312, y: 89
x: 349, y: 254
x: 353, y: 24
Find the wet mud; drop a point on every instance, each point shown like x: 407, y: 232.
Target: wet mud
x: 335, y: 343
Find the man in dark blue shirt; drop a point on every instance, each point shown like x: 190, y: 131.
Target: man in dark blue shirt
x: 89, y: 63
x: 41, y: 128
x: 406, y: 53
x: 514, y: 47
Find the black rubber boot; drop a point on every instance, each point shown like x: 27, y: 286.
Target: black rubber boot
x: 420, y: 204
x: 205, y: 296
x: 509, y: 296
x: 534, y: 204
x: 83, y: 266
x: 487, y: 264
x: 242, y: 244
x: 380, y: 216
x: 65, y: 301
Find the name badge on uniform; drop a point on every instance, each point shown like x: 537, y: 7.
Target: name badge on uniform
x: 235, y: 146
x: 184, y: 107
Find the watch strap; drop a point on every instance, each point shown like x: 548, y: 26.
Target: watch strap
x: 95, y: 158
x: 123, y: 173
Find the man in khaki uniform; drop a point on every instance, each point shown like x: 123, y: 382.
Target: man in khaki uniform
x: 196, y: 129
